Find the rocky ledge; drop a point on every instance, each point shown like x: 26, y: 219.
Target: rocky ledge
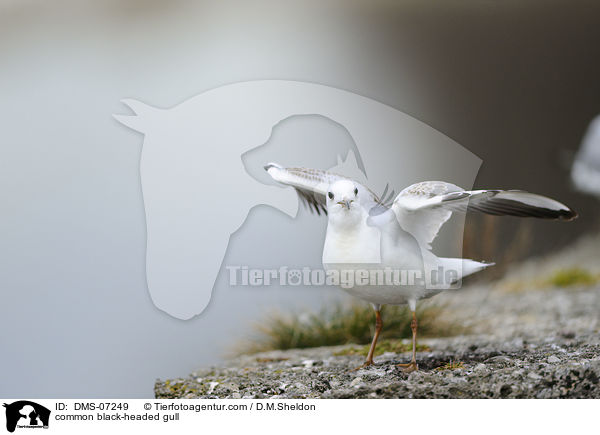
x: 562, y: 366
x: 535, y: 338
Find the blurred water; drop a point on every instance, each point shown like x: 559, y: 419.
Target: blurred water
x: 76, y: 314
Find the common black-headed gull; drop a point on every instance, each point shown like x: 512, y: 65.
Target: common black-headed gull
x: 388, y: 246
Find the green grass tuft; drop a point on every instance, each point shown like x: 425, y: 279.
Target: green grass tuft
x: 452, y: 365
x: 573, y: 277
x: 342, y: 324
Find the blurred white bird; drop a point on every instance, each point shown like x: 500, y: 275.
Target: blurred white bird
x: 585, y: 172
x: 365, y: 233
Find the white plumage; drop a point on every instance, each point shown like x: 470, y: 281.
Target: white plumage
x: 364, y: 232
x: 585, y: 172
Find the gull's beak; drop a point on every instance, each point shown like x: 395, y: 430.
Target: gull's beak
x: 345, y: 203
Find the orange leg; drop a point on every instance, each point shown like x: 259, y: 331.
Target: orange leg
x: 412, y: 365
x: 378, y: 328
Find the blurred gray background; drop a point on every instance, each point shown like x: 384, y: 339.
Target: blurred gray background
x: 514, y: 82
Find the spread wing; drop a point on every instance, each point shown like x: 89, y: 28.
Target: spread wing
x: 421, y: 209
x: 312, y: 184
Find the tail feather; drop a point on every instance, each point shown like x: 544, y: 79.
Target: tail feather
x: 464, y: 266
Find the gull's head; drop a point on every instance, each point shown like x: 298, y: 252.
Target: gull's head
x: 343, y: 193
x: 343, y: 201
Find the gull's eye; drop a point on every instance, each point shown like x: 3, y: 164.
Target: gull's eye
x: 355, y: 191
x: 330, y: 195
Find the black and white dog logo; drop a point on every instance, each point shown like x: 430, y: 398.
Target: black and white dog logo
x: 26, y: 414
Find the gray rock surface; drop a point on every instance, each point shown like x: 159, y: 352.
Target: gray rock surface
x: 560, y: 366
x: 528, y: 339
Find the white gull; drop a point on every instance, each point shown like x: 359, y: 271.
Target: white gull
x: 364, y: 233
